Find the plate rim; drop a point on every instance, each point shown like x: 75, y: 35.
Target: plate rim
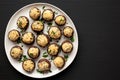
x: 57, y: 9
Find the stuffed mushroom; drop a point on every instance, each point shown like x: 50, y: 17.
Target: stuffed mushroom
x: 33, y: 52
x: 14, y: 35
x: 54, y: 32
x: 67, y: 46
x: 48, y: 15
x: 28, y: 38
x: 35, y: 13
x: 60, y: 20
x: 59, y: 62
x: 53, y: 49
x: 68, y: 31
x: 16, y: 52
x: 23, y: 22
x: 37, y: 26
x: 42, y: 40
x: 44, y: 65
x: 28, y: 65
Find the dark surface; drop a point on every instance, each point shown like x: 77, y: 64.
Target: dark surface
x: 98, y: 25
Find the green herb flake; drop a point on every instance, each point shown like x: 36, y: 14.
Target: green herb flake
x: 24, y: 57
x: 72, y: 39
x: 53, y: 32
x: 19, y: 40
x: 45, y: 54
x: 49, y: 24
x: 66, y: 57
x: 43, y: 7
x: 50, y: 71
x: 31, y: 54
x: 39, y: 71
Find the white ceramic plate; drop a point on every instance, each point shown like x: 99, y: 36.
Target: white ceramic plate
x: 12, y: 25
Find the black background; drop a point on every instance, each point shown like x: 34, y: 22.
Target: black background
x: 98, y: 26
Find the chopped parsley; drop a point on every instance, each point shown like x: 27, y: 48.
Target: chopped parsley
x: 43, y: 7
x: 19, y: 40
x: 49, y: 23
x: 53, y: 32
x: 66, y: 57
x: 42, y: 20
x: 31, y: 54
x: 45, y: 55
x: 39, y: 71
x: 23, y: 58
x: 72, y: 39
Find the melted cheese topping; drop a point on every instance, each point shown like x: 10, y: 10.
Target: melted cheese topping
x: 60, y: 20
x: 16, y: 52
x: 68, y: 31
x: 43, y: 66
x: 13, y: 35
x: 28, y: 65
x: 33, y: 52
x: 54, y: 32
x: 59, y: 62
x: 48, y: 15
x: 22, y: 22
x: 35, y: 13
x: 42, y: 40
x: 37, y: 26
x: 67, y: 47
x: 53, y: 49
x: 28, y: 38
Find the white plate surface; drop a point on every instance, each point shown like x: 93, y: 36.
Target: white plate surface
x: 24, y: 11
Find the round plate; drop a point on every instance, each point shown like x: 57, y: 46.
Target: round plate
x: 9, y: 44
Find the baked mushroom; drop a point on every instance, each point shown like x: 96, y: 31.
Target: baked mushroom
x: 28, y: 38
x: 68, y: 31
x: 54, y: 32
x: 28, y: 65
x: 23, y: 22
x: 37, y: 26
x: 59, y: 62
x: 14, y: 35
x: 42, y: 40
x: 53, y: 49
x: 60, y: 20
x: 16, y: 52
x: 35, y: 13
x: 44, y: 65
x: 33, y: 52
x: 67, y: 46
x: 48, y: 15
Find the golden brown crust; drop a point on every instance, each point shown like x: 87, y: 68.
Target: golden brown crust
x: 48, y: 20
x: 44, y: 60
x: 55, y: 54
x: 46, y: 38
x: 19, y: 24
x: 19, y: 56
x: 26, y: 65
x: 60, y: 67
x: 68, y: 35
x: 60, y: 24
x: 37, y: 16
x: 53, y: 34
x: 14, y: 38
x: 66, y: 41
x: 36, y: 55
x: 31, y: 42
x: 37, y: 30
